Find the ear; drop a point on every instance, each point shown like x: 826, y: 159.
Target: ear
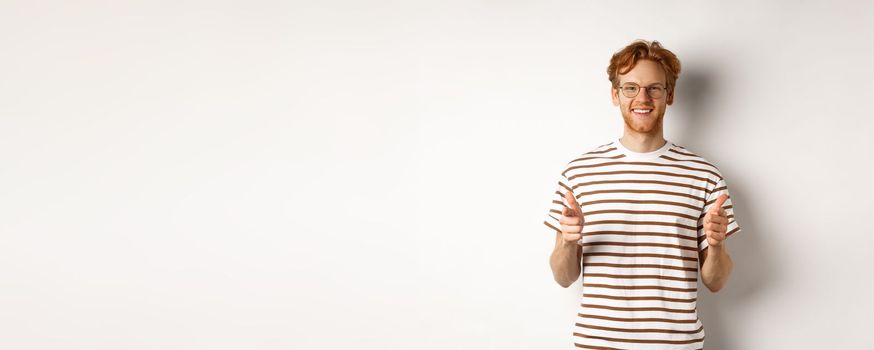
x: 670, y: 98
x: 614, y: 95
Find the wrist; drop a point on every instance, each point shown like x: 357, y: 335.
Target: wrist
x: 716, y: 251
x: 569, y: 244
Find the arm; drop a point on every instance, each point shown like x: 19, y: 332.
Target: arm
x: 565, y: 261
x: 716, y: 266
x: 567, y: 254
x: 715, y: 262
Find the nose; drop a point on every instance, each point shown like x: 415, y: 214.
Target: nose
x: 643, y: 96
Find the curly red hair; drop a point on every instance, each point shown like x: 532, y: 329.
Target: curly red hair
x: 624, y: 60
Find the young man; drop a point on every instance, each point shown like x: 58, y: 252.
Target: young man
x: 638, y: 218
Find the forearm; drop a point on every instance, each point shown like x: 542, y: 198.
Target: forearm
x: 717, y: 268
x: 565, y: 262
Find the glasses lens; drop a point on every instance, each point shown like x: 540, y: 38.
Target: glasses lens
x: 630, y: 90
x: 655, y: 91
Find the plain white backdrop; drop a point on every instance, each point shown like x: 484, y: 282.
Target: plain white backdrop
x: 374, y: 174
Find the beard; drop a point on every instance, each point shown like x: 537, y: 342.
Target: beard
x: 650, y: 125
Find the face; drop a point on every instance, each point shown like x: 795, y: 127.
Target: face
x: 643, y: 114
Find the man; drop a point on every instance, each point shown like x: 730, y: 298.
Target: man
x: 638, y: 218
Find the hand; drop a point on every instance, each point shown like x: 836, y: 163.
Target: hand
x: 716, y: 222
x: 571, y: 219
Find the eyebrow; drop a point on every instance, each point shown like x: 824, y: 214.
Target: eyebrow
x: 631, y: 82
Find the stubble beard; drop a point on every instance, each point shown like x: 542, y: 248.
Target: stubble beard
x: 643, y: 127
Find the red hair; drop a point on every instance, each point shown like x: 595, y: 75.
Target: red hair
x: 625, y: 60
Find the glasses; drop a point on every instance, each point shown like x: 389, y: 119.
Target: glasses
x: 631, y: 90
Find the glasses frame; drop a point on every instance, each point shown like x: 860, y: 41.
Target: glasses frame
x: 665, y: 89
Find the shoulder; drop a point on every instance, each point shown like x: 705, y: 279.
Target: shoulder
x: 597, y: 154
x: 691, y: 159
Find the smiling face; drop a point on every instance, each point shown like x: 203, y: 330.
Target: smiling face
x: 643, y: 114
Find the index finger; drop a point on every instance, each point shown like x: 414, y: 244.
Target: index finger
x: 718, y: 205
x: 572, y: 201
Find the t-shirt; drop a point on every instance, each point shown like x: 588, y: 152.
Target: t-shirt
x: 643, y: 229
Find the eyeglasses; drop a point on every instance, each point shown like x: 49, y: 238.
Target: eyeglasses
x: 631, y: 90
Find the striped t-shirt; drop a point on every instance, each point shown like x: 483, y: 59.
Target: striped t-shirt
x: 643, y: 229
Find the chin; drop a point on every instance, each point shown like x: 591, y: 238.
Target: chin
x: 645, y: 130
x: 642, y: 128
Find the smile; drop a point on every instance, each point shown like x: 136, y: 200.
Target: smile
x: 641, y: 112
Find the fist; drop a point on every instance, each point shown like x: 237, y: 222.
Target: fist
x: 716, y: 222
x: 571, y: 219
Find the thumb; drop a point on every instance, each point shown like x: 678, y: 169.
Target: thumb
x: 719, y: 201
x: 572, y: 203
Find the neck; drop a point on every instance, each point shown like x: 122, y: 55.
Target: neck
x: 642, y: 143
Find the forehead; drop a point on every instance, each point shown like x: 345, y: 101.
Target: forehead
x: 646, y: 72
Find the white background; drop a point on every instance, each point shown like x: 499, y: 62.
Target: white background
x: 374, y: 175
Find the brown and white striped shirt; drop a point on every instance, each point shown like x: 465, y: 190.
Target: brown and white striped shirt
x: 643, y: 228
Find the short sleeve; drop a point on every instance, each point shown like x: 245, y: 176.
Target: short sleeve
x: 733, y: 226
x: 562, y: 186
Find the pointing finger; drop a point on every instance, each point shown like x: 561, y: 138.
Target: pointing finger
x: 718, y: 205
x: 572, y: 203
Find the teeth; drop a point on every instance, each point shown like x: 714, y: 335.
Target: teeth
x: 641, y: 110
